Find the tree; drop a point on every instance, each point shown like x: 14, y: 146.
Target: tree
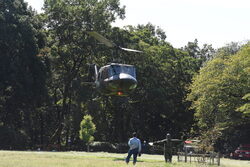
x: 193, y: 49
x: 87, y: 130
x: 245, y: 108
x: 22, y: 70
x: 202, y: 55
x: 163, y: 73
x: 207, y: 53
x: 66, y: 22
x: 219, y: 92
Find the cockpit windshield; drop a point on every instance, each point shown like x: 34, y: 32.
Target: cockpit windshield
x: 117, y: 69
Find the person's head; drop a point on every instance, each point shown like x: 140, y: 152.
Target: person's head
x: 168, y: 136
x: 134, y: 134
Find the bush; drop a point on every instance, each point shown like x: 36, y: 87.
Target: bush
x: 156, y: 149
x: 102, y: 146
x: 122, y: 148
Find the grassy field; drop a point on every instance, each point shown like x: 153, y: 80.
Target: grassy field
x: 100, y: 159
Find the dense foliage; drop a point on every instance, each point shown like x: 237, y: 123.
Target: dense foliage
x: 22, y: 73
x: 220, y: 96
x: 44, y: 65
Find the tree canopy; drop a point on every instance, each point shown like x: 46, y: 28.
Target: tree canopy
x: 219, y: 93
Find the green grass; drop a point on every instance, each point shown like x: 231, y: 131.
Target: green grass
x: 100, y: 159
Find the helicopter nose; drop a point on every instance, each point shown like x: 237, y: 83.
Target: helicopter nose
x: 124, y: 76
x: 122, y: 81
x: 127, y: 81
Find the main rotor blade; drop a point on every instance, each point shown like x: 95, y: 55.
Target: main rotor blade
x: 108, y: 43
x: 101, y: 38
x: 131, y: 50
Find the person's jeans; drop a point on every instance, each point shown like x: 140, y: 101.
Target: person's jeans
x: 133, y: 152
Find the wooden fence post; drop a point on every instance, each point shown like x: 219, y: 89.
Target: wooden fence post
x: 185, y: 154
x: 218, y: 159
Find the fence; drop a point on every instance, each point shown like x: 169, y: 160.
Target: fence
x: 211, y: 158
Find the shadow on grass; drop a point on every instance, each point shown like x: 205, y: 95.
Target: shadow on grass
x: 123, y: 159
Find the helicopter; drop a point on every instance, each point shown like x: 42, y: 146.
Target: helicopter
x: 114, y: 78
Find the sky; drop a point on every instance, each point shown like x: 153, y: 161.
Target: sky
x: 216, y: 22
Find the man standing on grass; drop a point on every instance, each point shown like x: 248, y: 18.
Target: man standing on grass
x: 167, y: 147
x: 134, y: 148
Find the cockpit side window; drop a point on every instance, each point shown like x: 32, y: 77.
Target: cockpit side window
x: 104, y: 74
x: 99, y: 75
x: 115, y: 69
x: 129, y: 70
